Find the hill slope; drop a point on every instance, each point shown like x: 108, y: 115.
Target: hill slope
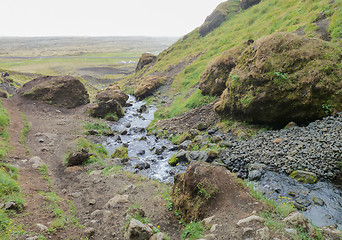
x: 184, y: 62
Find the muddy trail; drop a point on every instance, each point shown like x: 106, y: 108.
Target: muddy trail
x: 95, y: 205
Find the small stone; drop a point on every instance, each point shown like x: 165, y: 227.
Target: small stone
x: 32, y: 238
x: 41, y: 140
x: 207, y: 220
x: 277, y: 140
x: 76, y: 194
x: 92, y: 202
x: 158, y: 236
x: 123, y: 132
x: 116, y: 201
x: 291, y: 231
x: 263, y: 233
x: 318, y: 201
x: 249, y: 219
x: 10, y: 205
x: 42, y: 227
x: 137, y: 230
x: 213, y: 228
x: 36, y: 162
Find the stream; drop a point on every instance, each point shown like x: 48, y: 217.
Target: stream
x: 149, y: 155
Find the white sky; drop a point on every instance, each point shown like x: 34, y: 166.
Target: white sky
x: 103, y: 17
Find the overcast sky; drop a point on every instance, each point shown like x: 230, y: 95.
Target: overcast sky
x: 103, y: 17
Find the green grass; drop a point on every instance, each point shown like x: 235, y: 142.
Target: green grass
x: 4, y: 136
x: 102, y: 128
x: 263, y: 19
x: 98, y: 151
x: 24, y: 132
x: 194, y: 230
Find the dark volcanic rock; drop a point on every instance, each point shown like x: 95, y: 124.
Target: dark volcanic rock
x: 63, y: 91
x: 145, y: 59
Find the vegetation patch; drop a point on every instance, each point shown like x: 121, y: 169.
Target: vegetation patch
x: 24, y: 132
x: 4, y: 136
x: 193, y: 230
x: 121, y: 152
x: 99, y: 127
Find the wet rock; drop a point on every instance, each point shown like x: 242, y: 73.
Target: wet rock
x: 128, y: 125
x: 301, y: 203
x: 142, y: 109
x: 184, y: 145
x: 181, y: 156
x: 318, y: 201
x: 255, y: 175
x: 78, y: 158
x: 121, y: 152
x: 141, y: 152
x: 142, y: 165
x: 136, y: 230
x: 159, y: 150
x: 304, y: 176
x: 123, y: 132
x: 63, y: 91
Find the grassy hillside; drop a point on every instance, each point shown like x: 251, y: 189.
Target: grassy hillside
x: 263, y: 19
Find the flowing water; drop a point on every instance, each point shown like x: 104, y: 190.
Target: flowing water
x: 151, y: 155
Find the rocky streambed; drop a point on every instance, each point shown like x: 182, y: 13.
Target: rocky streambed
x: 267, y: 159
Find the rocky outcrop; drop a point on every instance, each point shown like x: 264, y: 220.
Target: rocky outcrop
x: 282, y: 78
x: 244, y: 4
x: 145, y: 59
x: 63, y: 91
x: 109, y: 104
x: 213, y: 79
x: 215, y: 19
x: 148, y: 85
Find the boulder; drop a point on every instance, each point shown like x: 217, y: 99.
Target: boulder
x: 106, y: 109
x: 194, y: 190
x: 282, y: 78
x: 136, y: 230
x: 121, y: 152
x: 214, y: 78
x: 147, y: 86
x: 145, y: 59
x: 63, y: 91
x: 158, y: 236
x: 298, y: 220
x: 304, y: 176
x: 181, y: 156
x: 78, y: 158
x: 244, y: 4
x: 112, y: 93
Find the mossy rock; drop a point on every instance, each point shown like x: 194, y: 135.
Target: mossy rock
x: 121, y: 152
x: 303, y: 176
x: 63, y: 91
x: 284, y: 77
x: 145, y: 59
x: 148, y: 86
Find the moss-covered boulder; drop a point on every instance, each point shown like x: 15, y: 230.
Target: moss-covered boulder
x: 145, y: 59
x: 111, y: 110
x: 147, y: 86
x: 244, y: 4
x: 304, y: 176
x: 112, y: 92
x: 63, y: 91
x: 282, y: 78
x: 121, y: 152
x: 214, y: 78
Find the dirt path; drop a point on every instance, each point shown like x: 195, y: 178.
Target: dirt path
x: 53, y: 132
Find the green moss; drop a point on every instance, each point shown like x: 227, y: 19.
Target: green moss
x: 173, y: 161
x: 304, y: 177
x: 121, y: 152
